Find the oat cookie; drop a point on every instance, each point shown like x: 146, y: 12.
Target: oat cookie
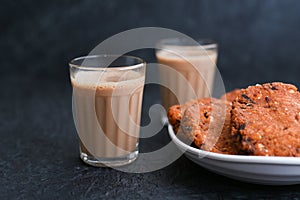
x: 266, y: 120
x: 207, y: 123
x: 230, y: 96
x: 175, y: 114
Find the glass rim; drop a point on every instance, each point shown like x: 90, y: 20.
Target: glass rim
x: 140, y: 62
x: 183, y: 43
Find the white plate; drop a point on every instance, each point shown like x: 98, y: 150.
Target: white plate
x: 254, y: 169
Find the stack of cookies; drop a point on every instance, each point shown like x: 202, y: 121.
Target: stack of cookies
x: 262, y: 120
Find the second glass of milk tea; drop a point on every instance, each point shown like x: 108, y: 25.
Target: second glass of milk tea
x: 107, y: 103
x: 187, y: 69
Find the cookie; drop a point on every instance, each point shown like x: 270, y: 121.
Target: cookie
x: 175, y: 114
x: 266, y: 120
x: 207, y: 124
x: 230, y: 96
x: 174, y: 117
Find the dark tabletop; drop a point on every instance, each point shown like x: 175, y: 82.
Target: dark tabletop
x: 39, y: 156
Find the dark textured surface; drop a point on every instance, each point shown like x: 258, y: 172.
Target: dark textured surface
x: 39, y: 157
x: 259, y: 42
x: 258, y: 39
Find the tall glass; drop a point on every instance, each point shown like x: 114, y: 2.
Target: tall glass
x: 107, y: 100
x: 195, y: 62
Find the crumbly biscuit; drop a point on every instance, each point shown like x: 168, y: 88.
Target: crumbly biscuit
x: 207, y: 124
x: 230, y: 96
x: 266, y: 120
x: 187, y: 122
x: 175, y: 114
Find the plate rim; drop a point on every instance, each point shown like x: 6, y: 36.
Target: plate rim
x: 278, y: 160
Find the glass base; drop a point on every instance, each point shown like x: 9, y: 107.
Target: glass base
x: 109, y: 162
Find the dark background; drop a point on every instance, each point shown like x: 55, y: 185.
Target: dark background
x: 258, y: 42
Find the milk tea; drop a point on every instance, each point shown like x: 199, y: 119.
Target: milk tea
x: 107, y: 112
x: 191, y: 77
